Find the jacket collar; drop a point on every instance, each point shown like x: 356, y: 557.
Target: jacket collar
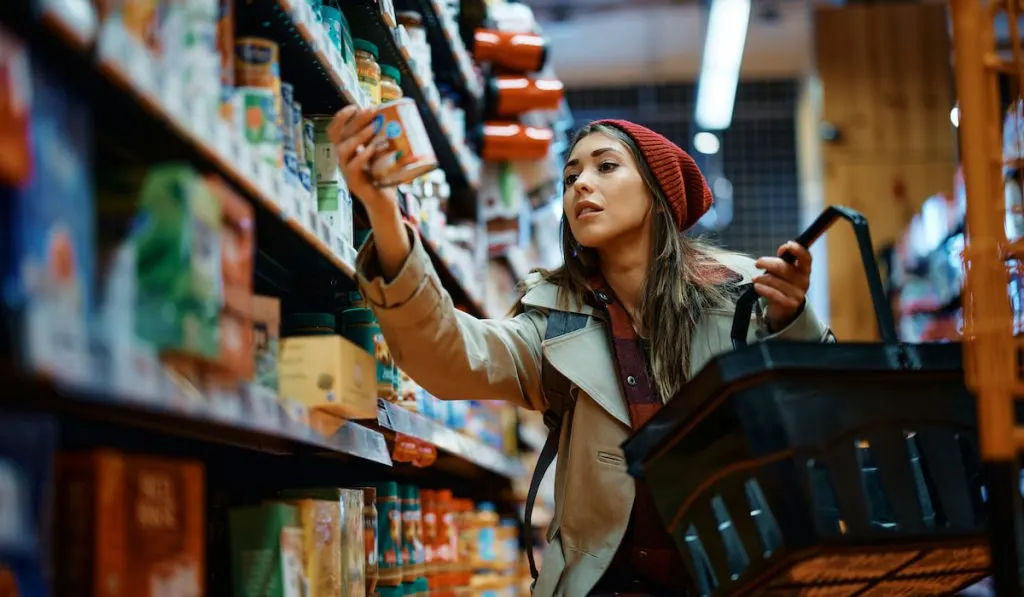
x: 544, y: 295
x: 585, y: 358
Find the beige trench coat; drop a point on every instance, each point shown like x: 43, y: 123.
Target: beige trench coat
x: 456, y: 356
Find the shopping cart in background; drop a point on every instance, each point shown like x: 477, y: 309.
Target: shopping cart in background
x: 790, y: 468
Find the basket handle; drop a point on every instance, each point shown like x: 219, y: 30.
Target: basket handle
x: 883, y: 313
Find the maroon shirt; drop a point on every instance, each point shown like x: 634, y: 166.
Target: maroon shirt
x: 647, y: 561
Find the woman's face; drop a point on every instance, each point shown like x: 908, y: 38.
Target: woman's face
x: 605, y: 198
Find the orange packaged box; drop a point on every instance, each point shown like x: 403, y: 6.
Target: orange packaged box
x: 130, y: 526
x: 236, y: 345
x: 238, y: 235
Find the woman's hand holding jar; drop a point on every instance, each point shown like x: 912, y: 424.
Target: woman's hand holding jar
x: 352, y: 132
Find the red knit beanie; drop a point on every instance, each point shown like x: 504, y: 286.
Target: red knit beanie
x: 678, y: 175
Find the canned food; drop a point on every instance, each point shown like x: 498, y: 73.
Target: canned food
x: 291, y: 165
x: 288, y: 112
x: 309, y: 145
x: 408, y: 154
x: 325, y: 162
x: 296, y: 132
x: 260, y: 123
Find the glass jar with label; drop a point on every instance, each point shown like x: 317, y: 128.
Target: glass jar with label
x: 390, y: 83
x: 368, y: 69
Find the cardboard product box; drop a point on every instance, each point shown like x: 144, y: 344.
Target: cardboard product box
x: 267, y: 551
x: 329, y: 374
x: 266, y: 338
x: 177, y: 236
x: 346, y: 555
x: 48, y: 235
x: 131, y: 526
x: 261, y: 392
x: 238, y: 235
x: 353, y: 549
x: 236, y: 331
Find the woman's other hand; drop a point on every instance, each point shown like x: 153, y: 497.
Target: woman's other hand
x: 784, y: 286
x: 352, y: 132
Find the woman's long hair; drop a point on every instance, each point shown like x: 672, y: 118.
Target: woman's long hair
x: 683, y: 282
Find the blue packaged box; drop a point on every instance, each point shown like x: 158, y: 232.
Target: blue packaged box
x: 49, y: 236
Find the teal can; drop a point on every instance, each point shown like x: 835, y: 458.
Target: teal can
x: 360, y: 327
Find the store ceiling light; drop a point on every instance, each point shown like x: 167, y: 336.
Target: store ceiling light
x: 954, y: 116
x: 720, y: 65
x: 706, y: 143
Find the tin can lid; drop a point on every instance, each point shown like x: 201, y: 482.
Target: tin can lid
x: 366, y: 46
x: 357, y: 315
x: 387, y: 489
x: 309, y: 321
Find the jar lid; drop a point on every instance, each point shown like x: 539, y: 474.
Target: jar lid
x: 366, y: 46
x: 486, y: 507
x: 386, y: 70
x: 295, y: 321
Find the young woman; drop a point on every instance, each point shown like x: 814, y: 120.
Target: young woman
x: 659, y: 305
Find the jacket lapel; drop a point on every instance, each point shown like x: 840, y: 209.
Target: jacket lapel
x: 584, y: 357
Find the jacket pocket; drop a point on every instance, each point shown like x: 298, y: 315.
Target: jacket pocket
x: 611, y: 458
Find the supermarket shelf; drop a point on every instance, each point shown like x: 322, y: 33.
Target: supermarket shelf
x: 134, y: 111
x: 306, y: 54
x: 451, y: 59
x: 460, y: 296
x: 243, y: 425
x: 365, y: 18
x: 253, y: 425
x: 395, y: 419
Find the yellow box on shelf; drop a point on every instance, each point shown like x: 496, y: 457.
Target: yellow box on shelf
x: 330, y: 376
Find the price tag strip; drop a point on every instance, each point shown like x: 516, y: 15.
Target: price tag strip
x: 417, y: 427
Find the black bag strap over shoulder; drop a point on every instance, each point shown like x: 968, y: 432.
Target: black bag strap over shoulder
x: 883, y: 313
x: 557, y: 393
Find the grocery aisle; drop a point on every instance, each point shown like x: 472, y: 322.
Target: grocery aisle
x: 198, y: 400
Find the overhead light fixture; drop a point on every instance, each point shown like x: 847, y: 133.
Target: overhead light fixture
x: 706, y: 143
x: 954, y: 116
x: 720, y: 65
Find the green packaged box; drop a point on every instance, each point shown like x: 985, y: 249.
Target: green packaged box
x: 176, y: 232
x: 260, y: 565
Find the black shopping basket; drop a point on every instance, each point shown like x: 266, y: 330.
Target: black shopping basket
x: 793, y: 468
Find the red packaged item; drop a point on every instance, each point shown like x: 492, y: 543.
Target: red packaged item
x: 511, y: 141
x: 511, y: 51
x: 510, y: 96
x: 131, y: 526
x: 15, y: 96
